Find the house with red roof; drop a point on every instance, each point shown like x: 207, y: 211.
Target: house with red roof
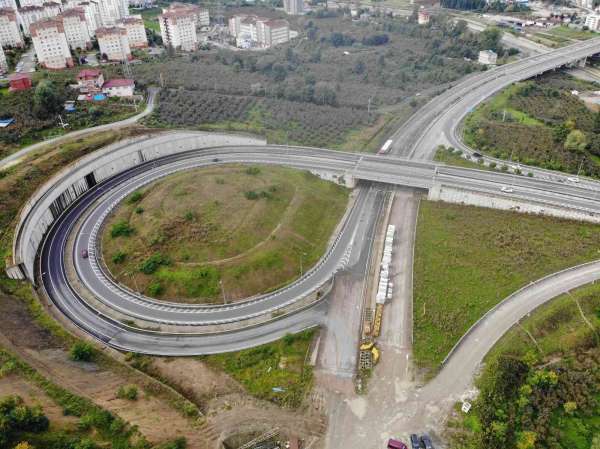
x: 90, y: 80
x: 119, y: 87
x: 19, y: 81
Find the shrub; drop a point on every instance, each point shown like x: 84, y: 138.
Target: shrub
x: 152, y: 264
x: 189, y: 215
x: 135, y: 197
x: 155, y: 288
x: 493, y: 165
x: 252, y: 171
x: 121, y: 228
x: 504, y: 167
x: 530, y: 174
x: 129, y: 392
x: 82, y: 352
x: 139, y: 210
x: 251, y: 195
x: 119, y: 257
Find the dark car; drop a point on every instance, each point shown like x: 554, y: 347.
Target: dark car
x: 84, y: 253
x: 426, y: 442
x: 414, y: 441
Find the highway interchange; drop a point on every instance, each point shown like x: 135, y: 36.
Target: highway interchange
x: 436, y: 123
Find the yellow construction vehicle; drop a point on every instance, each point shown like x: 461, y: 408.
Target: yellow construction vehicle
x: 376, y: 355
x: 377, y: 320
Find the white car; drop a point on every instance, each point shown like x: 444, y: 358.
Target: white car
x: 506, y: 189
x: 573, y: 180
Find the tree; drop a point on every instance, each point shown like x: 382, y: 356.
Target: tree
x: 46, y: 100
x: 526, y: 440
x: 81, y: 352
x: 576, y: 141
x: 596, y: 127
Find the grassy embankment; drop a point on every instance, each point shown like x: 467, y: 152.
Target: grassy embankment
x: 541, y: 383
x: 467, y: 259
x: 561, y: 35
x: 277, y: 371
x: 539, y: 123
x: 233, y: 230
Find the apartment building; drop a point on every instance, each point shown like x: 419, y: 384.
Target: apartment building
x: 50, y: 44
x: 178, y: 28
x: 26, y: 3
x: 76, y: 28
x: 136, y: 32
x: 52, y: 9
x: 293, y: 7
x: 10, y: 34
x: 255, y: 31
x: 91, y: 10
x: 113, y: 43
x: 28, y: 15
x: 3, y: 61
x: 201, y: 15
x: 111, y: 11
x: 12, y: 4
x: 592, y: 21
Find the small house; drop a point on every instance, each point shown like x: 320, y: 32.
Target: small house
x: 120, y: 87
x: 488, y: 57
x: 19, y: 81
x: 90, y: 80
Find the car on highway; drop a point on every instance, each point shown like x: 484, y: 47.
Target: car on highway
x: 573, y: 180
x: 396, y: 444
x: 426, y: 442
x: 415, y: 443
x: 84, y: 253
x: 507, y: 189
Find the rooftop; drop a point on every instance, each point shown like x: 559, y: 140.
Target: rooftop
x: 89, y: 73
x: 119, y: 82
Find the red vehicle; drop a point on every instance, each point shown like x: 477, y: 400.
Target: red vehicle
x: 395, y: 444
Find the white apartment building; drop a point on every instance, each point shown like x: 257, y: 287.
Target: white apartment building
x: 592, y: 21
x: 50, y: 44
x: 91, y: 9
x: 12, y: 4
x: 3, y: 61
x: 28, y: 15
x: 76, y: 28
x: 178, y: 28
x: 136, y: 32
x: 254, y: 31
x: 52, y: 9
x: 112, y: 11
x: 10, y: 34
x: 113, y: 43
x: 293, y: 7
x: 26, y: 3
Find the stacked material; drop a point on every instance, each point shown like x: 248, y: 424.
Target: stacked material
x: 384, y: 290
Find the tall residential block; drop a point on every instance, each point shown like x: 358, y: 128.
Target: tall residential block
x: 113, y: 43
x: 178, y: 28
x: 76, y: 28
x: 50, y: 44
x: 136, y: 31
x: 293, y: 7
x: 10, y: 34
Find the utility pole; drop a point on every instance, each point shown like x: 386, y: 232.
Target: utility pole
x: 223, y: 291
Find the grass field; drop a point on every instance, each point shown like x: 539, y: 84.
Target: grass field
x: 467, y: 259
x: 231, y: 230
x: 276, y: 371
x: 561, y: 337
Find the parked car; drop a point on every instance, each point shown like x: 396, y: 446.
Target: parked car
x: 84, y: 253
x: 414, y: 441
x: 395, y: 444
x: 426, y: 442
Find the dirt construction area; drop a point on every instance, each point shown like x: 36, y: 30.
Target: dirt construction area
x: 221, y: 233
x: 226, y: 410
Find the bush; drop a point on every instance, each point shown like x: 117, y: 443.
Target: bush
x: 82, y: 352
x: 139, y: 210
x: 152, y: 264
x: 16, y: 418
x: 155, y: 288
x: 252, y: 171
x: 251, y: 195
x: 121, y: 228
x: 119, y: 257
x: 135, y: 197
x: 493, y: 165
x: 129, y: 392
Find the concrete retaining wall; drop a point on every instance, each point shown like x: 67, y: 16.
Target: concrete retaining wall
x: 460, y: 196
x: 51, y: 199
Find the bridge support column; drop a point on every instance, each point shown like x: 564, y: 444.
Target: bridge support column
x: 435, y: 192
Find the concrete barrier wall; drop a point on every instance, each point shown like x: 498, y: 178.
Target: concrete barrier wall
x: 58, y: 193
x: 461, y: 196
